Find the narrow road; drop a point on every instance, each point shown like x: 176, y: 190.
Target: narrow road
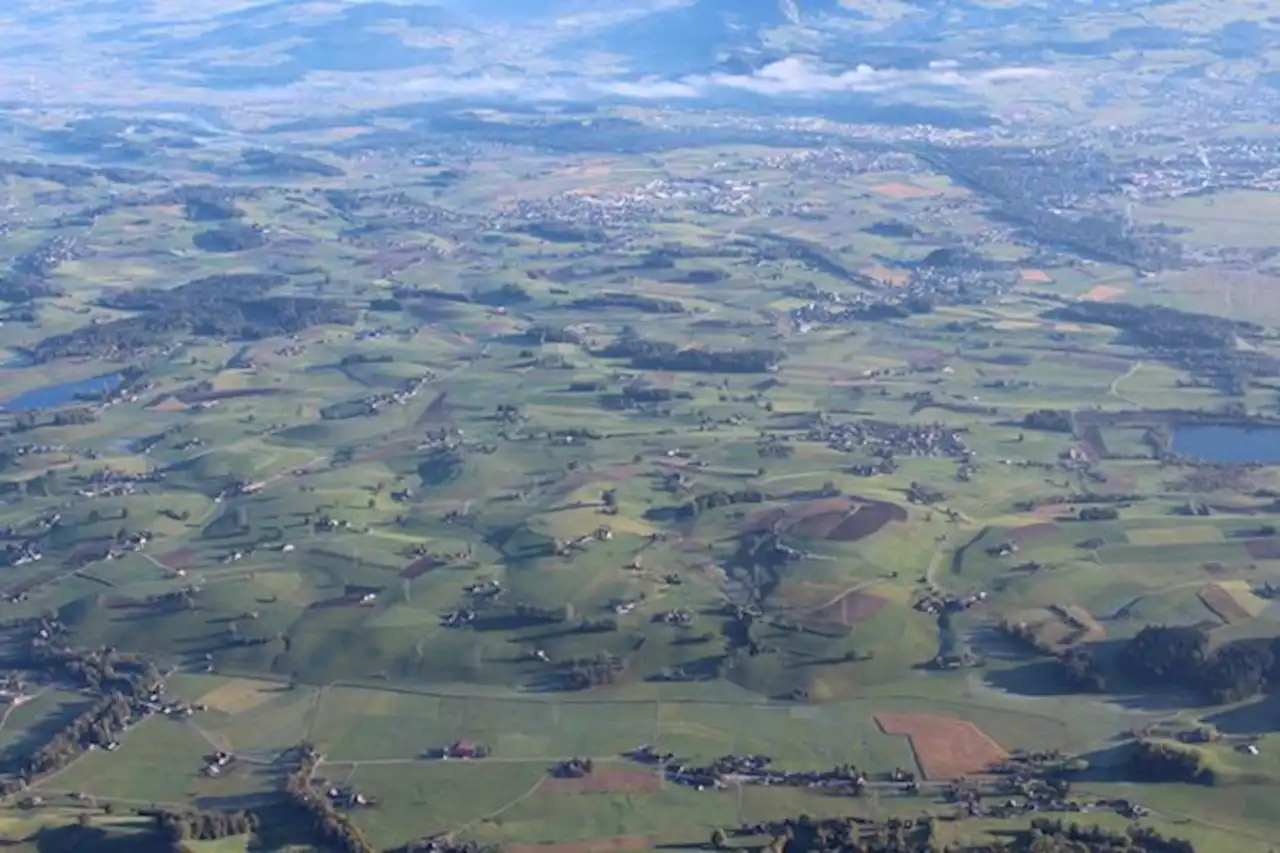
x: 1114, y: 390
x: 9, y: 709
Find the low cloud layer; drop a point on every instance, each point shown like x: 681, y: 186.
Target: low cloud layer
x: 790, y: 77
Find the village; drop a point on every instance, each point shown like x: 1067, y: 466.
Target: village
x: 886, y: 440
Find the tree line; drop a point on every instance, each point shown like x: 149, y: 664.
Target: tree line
x: 711, y: 500
x: 329, y: 826
x: 177, y: 827
x: 922, y: 835
x: 1180, y: 656
x: 1167, y: 761
x: 1161, y: 656
x: 1159, y: 327
x: 222, y: 306
x: 663, y: 355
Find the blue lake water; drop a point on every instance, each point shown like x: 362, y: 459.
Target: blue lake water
x: 52, y: 396
x: 1227, y: 443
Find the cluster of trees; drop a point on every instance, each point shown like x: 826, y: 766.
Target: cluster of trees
x: 406, y: 293
x: 207, y: 204
x: 585, y: 673
x: 69, y: 175
x: 1177, y: 657
x: 502, y: 295
x: 27, y: 421
x: 1180, y: 656
x: 553, y: 335
x: 231, y: 237
x: 637, y: 395
x: 532, y: 614
x: 921, y: 835
x: 283, y: 164
x: 631, y: 301
x: 177, y: 827
x: 1094, y: 839
x: 1159, y: 327
x: 712, y: 500
x: 19, y: 287
x: 98, y: 669
x: 1167, y: 761
x: 1076, y: 665
x: 1050, y: 420
x: 564, y: 232
x: 1080, y: 671
x: 45, y: 257
x: 1098, y: 513
x: 221, y: 306
x: 99, y: 725
x: 813, y: 256
x: 1030, y: 183
x: 201, y: 292
x: 330, y: 826
x: 661, y: 355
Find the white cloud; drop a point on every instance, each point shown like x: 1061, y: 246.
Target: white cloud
x: 799, y: 76
x: 790, y: 77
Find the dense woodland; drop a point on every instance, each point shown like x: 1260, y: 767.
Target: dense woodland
x: 221, y: 306
x: 661, y: 355
x: 329, y: 826
x: 1168, y: 658
x: 1168, y: 761
x: 1180, y: 657
x: 850, y: 835
x: 1031, y: 185
x: 1159, y: 327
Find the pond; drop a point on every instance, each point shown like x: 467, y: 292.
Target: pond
x: 15, y: 360
x: 60, y: 394
x: 1228, y: 444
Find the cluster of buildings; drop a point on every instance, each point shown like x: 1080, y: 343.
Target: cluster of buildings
x: 642, y: 203
x: 459, y: 749
x: 757, y: 770
x: 886, y: 440
x: 948, y: 603
x: 218, y: 763
x: 105, y: 483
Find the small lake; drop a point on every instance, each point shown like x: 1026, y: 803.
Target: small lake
x: 1228, y: 444
x: 16, y: 359
x: 61, y: 394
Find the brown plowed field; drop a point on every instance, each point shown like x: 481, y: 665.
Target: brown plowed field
x: 421, y: 566
x: 1103, y: 293
x: 820, y: 525
x: 586, y: 845
x: 180, y: 559
x: 897, y: 189
x: 868, y: 519
x: 761, y: 519
x: 1221, y: 603
x: 1263, y: 549
x: 945, y: 747
x: 604, y: 780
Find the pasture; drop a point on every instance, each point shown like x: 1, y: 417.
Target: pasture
x: 727, y: 450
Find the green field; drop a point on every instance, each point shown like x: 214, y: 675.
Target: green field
x: 564, y: 431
